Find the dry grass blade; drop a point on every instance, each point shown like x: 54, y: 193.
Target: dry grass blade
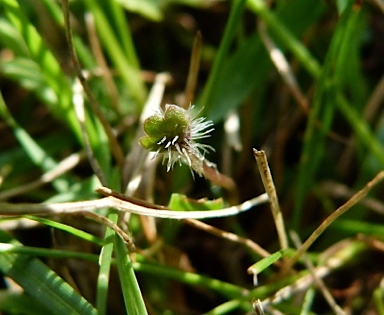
x: 115, y: 147
x: 134, y: 162
x: 122, y: 204
x: 228, y: 235
x: 193, y: 72
x: 105, y: 71
x: 61, y: 168
x: 284, y: 68
x: 266, y: 177
x: 78, y: 103
x: 336, y: 214
x: 319, y: 282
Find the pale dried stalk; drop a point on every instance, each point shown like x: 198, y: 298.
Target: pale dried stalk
x: 65, y: 165
x: 318, y: 281
x: 78, y: 103
x: 140, y: 167
x: 269, y: 186
x: 334, y: 189
x: 114, y: 145
x: 283, y: 67
x: 195, y: 223
x: 343, y: 252
x: 193, y: 72
x: 10, y: 209
x: 332, y: 217
x: 105, y: 71
x: 228, y: 235
x: 301, y: 284
x: 134, y: 162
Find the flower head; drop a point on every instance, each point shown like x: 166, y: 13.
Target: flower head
x: 172, y: 132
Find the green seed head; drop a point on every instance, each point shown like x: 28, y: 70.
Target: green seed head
x: 163, y: 129
x: 173, y: 132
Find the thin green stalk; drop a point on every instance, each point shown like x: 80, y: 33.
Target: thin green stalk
x: 321, y: 114
x: 225, y: 308
x: 308, y: 301
x: 31, y: 148
x: 296, y: 47
x: 49, y: 67
x: 105, y: 268
x: 226, y: 289
x: 44, y: 252
x: 124, y: 32
x: 128, y: 70
x: 354, y: 227
x: 69, y: 229
x: 361, y: 128
x: 233, y: 21
x: 131, y: 291
x: 378, y: 298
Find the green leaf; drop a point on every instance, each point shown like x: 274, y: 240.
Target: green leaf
x: 42, y: 284
x: 326, y: 98
x: 183, y: 203
x: 49, y: 68
x: 15, y: 303
x: 148, y: 8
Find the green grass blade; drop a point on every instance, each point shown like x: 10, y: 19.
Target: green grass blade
x: 130, y: 288
x: 44, y: 252
x: 248, y: 67
x: 206, y: 99
x: 127, y: 68
x: 16, y: 303
x: 32, y: 149
x: 118, y: 21
x: 285, y: 35
x: 361, y: 129
x: 378, y: 298
x: 69, y: 229
x: 42, y: 284
x: 49, y: 66
x: 322, y: 112
x: 105, y: 268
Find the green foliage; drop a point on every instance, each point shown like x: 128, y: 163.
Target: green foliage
x: 181, y: 202
x: 39, y: 281
x: 329, y: 128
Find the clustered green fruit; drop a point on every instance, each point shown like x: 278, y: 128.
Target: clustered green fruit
x: 160, y: 130
x: 173, y: 132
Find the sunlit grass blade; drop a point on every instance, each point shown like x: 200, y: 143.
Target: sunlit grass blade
x: 55, y: 80
x: 286, y: 36
x: 32, y: 149
x: 42, y: 284
x: 19, y: 303
x: 133, y: 297
x: 69, y: 229
x: 105, y: 261
x: 6, y: 248
x: 128, y: 68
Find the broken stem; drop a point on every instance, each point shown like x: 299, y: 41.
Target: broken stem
x: 269, y: 186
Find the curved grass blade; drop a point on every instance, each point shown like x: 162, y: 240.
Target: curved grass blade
x: 42, y: 284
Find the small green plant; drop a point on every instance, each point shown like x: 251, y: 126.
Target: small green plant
x: 173, y: 134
